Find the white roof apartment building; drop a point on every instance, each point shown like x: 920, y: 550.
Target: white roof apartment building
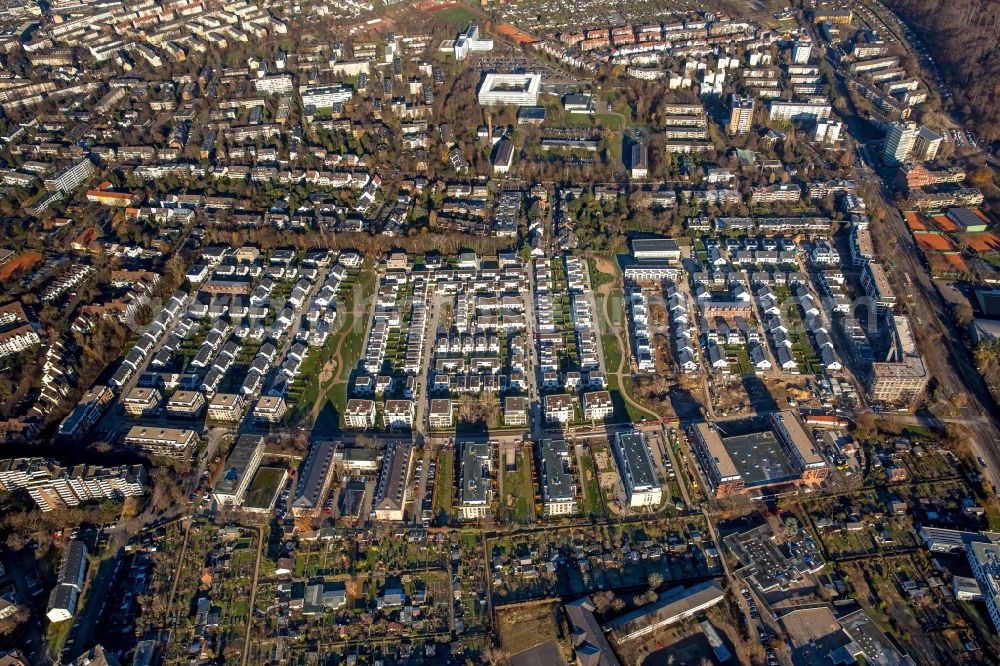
x: 597, y: 405
x: 53, y: 486
x: 558, y: 409
x: 325, y: 96
x: 399, y: 414
x: 169, y: 442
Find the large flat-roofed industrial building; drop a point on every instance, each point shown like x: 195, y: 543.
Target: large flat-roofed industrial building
x: 240, y: 467
x: 749, y: 455
x: 513, y: 89
x: 639, y: 482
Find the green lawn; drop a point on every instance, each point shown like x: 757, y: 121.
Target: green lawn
x: 457, y: 16
x: 444, y: 486
x: 519, y: 500
x: 611, y: 121
x: 593, y: 499
x: 598, y: 278
x: 612, y: 351
x: 56, y: 634
x: 264, y: 487
x: 348, y: 339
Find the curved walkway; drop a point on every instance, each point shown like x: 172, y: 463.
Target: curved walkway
x: 623, y: 371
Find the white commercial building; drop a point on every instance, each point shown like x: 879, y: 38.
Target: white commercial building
x: 469, y: 41
x: 514, y: 89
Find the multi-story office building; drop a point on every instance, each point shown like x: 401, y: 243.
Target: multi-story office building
x: 513, y: 89
x: 471, y: 41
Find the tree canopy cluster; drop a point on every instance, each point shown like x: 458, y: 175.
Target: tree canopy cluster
x: 962, y: 35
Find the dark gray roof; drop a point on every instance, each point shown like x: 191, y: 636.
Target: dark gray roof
x: 557, y: 480
x: 474, y: 475
x: 313, y: 474
x: 654, y: 245
x: 592, y: 648
x: 634, y: 460
x: 239, y: 464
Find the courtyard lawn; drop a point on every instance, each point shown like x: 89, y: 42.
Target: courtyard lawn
x: 264, y: 487
x: 444, y: 486
x: 519, y: 500
x: 593, y: 497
